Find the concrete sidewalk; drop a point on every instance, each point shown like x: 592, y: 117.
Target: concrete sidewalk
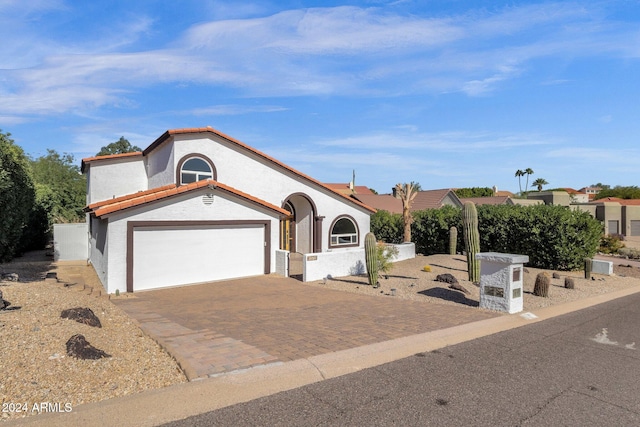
x: 183, y: 400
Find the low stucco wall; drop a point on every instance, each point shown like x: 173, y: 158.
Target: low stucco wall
x: 351, y: 262
x: 405, y: 251
x: 282, y: 262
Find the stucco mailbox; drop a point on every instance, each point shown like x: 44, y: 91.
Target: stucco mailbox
x: 501, y: 280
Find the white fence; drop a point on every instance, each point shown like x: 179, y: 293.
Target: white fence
x: 71, y: 242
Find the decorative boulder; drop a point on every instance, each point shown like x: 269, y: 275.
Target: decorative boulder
x: 447, y: 278
x: 555, y: 275
x: 79, y: 347
x: 10, y: 277
x: 569, y: 283
x: 82, y: 315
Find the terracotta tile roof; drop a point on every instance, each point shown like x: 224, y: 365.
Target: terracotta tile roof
x: 385, y: 202
x: 623, y: 202
x: 88, y: 160
x: 105, y: 207
x: 432, y: 199
x: 500, y: 193
x: 493, y: 200
x: 168, y: 134
x: 343, y: 188
x: 573, y: 191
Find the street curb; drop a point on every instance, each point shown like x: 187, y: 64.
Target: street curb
x: 180, y: 401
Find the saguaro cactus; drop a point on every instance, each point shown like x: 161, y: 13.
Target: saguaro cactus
x: 471, y: 240
x: 453, y: 240
x: 371, y: 258
x: 588, y: 262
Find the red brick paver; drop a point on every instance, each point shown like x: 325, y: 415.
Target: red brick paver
x: 237, y: 324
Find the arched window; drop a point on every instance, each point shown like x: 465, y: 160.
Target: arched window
x: 195, y: 169
x: 344, y: 232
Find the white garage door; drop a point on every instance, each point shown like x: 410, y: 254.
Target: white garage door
x: 169, y: 256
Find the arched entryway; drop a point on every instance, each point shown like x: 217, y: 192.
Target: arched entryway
x: 300, y: 231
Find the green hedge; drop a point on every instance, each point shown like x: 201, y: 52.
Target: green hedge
x: 554, y: 237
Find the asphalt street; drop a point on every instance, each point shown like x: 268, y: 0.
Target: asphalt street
x: 579, y: 369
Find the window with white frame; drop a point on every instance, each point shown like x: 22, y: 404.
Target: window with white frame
x: 344, y: 232
x: 195, y: 169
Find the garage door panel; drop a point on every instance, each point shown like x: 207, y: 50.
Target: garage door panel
x: 164, y: 256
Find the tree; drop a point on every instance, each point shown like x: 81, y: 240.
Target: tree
x: 474, y: 192
x: 528, y: 171
x: 60, y: 182
x: 539, y: 182
x: 120, y: 146
x: 406, y: 193
x: 17, y: 196
x: 630, y: 192
x: 519, y: 174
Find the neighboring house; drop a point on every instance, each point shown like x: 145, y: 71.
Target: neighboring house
x: 430, y: 199
x: 619, y: 216
x: 577, y: 196
x: 561, y: 198
x: 348, y: 189
x: 590, y: 191
x: 197, y: 205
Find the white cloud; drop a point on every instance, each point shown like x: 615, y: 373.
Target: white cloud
x: 454, y: 141
x: 318, y: 51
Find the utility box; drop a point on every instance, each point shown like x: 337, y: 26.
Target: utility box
x: 501, y: 281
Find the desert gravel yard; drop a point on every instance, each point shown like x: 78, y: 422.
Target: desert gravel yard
x: 33, y: 361
x: 35, y: 367
x: 411, y: 282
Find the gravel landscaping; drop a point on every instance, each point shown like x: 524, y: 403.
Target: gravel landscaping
x: 33, y: 336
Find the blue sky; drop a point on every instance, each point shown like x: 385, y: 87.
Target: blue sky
x: 447, y: 93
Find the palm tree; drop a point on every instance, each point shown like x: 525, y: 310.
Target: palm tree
x: 519, y: 174
x: 406, y: 193
x: 528, y: 171
x: 539, y: 183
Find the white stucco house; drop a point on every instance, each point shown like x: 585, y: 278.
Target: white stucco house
x: 197, y: 206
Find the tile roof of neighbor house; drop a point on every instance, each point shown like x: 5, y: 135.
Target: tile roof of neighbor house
x: 432, y: 199
x: 573, y: 191
x: 501, y: 193
x: 490, y: 200
x: 429, y: 199
x: 165, y: 136
x: 385, y: 202
x: 623, y: 202
x: 117, y: 204
x: 345, y: 189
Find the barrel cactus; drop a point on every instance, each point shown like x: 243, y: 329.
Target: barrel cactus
x: 371, y: 258
x: 541, y: 287
x: 471, y: 240
x: 453, y: 240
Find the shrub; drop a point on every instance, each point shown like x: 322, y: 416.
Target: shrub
x: 554, y: 237
x: 385, y: 253
x: 387, y: 227
x: 611, y: 244
x: 430, y: 229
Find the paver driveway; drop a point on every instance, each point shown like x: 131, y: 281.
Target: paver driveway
x: 226, y: 326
